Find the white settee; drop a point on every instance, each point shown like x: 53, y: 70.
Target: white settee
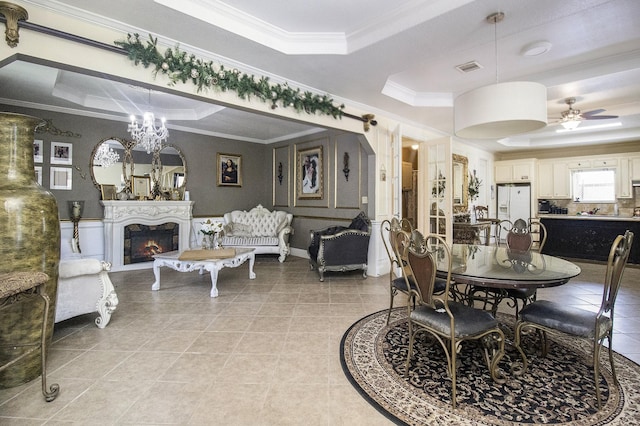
x: 267, y: 232
x: 84, y: 287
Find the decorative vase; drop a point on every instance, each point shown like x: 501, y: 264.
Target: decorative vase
x: 29, y: 241
x: 208, y: 241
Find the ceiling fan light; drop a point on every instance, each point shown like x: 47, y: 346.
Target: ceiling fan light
x: 500, y: 110
x: 570, y: 124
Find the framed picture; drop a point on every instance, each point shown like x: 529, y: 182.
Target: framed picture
x: 60, y: 178
x: 141, y: 186
x: 37, y: 151
x: 309, y: 178
x: 229, y: 169
x: 38, y: 170
x: 61, y: 153
x: 108, y: 192
x: 178, y: 180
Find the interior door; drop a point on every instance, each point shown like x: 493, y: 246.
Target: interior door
x: 435, y: 192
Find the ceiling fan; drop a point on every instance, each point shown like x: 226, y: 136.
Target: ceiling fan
x: 572, y: 117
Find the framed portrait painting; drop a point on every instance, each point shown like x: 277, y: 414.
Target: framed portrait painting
x: 309, y: 176
x: 229, y: 169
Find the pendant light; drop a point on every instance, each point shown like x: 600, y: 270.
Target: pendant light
x: 502, y: 109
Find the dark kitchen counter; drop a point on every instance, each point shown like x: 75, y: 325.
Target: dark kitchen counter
x: 588, y: 237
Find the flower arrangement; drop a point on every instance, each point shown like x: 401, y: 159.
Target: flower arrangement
x: 474, y: 186
x: 439, y: 186
x: 211, y: 231
x: 211, y: 228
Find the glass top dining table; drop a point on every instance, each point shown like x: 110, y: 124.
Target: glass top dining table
x: 500, y: 267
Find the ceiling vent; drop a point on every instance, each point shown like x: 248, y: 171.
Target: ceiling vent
x: 469, y: 66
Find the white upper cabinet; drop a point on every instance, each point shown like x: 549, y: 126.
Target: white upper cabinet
x: 514, y: 171
x: 553, y: 180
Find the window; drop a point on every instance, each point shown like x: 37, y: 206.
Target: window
x: 593, y: 185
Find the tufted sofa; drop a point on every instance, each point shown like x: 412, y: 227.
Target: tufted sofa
x: 84, y: 287
x: 267, y: 232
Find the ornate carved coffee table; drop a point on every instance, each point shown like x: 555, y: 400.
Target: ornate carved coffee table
x: 173, y: 261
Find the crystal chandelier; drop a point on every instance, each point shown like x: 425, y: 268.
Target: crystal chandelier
x: 148, y: 135
x: 105, y: 156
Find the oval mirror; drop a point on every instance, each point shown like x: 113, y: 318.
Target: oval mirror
x: 169, y: 171
x: 114, y: 161
x: 111, y: 163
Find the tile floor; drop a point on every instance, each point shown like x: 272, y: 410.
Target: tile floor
x: 265, y: 352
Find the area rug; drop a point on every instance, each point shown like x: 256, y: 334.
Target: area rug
x: 557, y: 389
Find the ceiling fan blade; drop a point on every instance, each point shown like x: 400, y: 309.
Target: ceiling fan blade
x: 599, y: 117
x: 593, y: 112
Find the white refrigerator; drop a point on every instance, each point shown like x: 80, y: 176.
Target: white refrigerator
x: 514, y: 201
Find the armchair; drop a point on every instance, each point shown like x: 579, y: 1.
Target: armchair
x: 339, y: 248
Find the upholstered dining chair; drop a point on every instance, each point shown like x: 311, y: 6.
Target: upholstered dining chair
x: 451, y: 323
x: 394, y: 234
x: 545, y: 316
x: 518, y: 237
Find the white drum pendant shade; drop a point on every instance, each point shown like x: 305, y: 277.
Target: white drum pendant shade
x: 500, y: 110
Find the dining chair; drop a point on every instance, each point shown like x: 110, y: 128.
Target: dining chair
x: 502, y: 228
x: 395, y: 233
x: 400, y: 234
x: 538, y: 234
x: 450, y: 323
x: 481, y: 212
x: 546, y: 316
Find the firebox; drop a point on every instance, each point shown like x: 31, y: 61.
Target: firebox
x: 141, y: 242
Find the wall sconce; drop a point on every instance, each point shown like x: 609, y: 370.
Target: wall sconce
x: 280, y: 176
x: 346, y: 170
x: 75, y: 214
x: 383, y: 173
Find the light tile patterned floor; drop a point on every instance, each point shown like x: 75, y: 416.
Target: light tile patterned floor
x: 265, y: 352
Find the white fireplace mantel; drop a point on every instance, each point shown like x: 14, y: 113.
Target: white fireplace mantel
x: 119, y: 214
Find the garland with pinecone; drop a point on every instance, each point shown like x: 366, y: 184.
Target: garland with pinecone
x: 180, y: 66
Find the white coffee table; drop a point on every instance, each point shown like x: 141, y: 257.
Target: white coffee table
x: 171, y: 259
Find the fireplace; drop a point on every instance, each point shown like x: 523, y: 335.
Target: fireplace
x: 169, y: 221
x: 142, y: 242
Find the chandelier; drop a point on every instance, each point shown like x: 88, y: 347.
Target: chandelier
x: 105, y: 156
x: 148, y: 135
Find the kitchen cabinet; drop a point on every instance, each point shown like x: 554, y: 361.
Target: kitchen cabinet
x: 587, y: 237
x: 579, y: 164
x: 553, y: 180
x: 635, y: 168
x: 623, y: 179
x: 605, y: 162
x: 514, y: 171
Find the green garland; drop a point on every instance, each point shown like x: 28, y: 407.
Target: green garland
x: 182, y: 66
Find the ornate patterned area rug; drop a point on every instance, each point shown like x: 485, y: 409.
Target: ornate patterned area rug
x: 557, y: 389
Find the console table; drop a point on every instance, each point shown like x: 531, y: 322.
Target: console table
x: 470, y: 233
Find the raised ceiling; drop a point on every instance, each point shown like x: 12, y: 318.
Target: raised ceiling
x: 396, y: 59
